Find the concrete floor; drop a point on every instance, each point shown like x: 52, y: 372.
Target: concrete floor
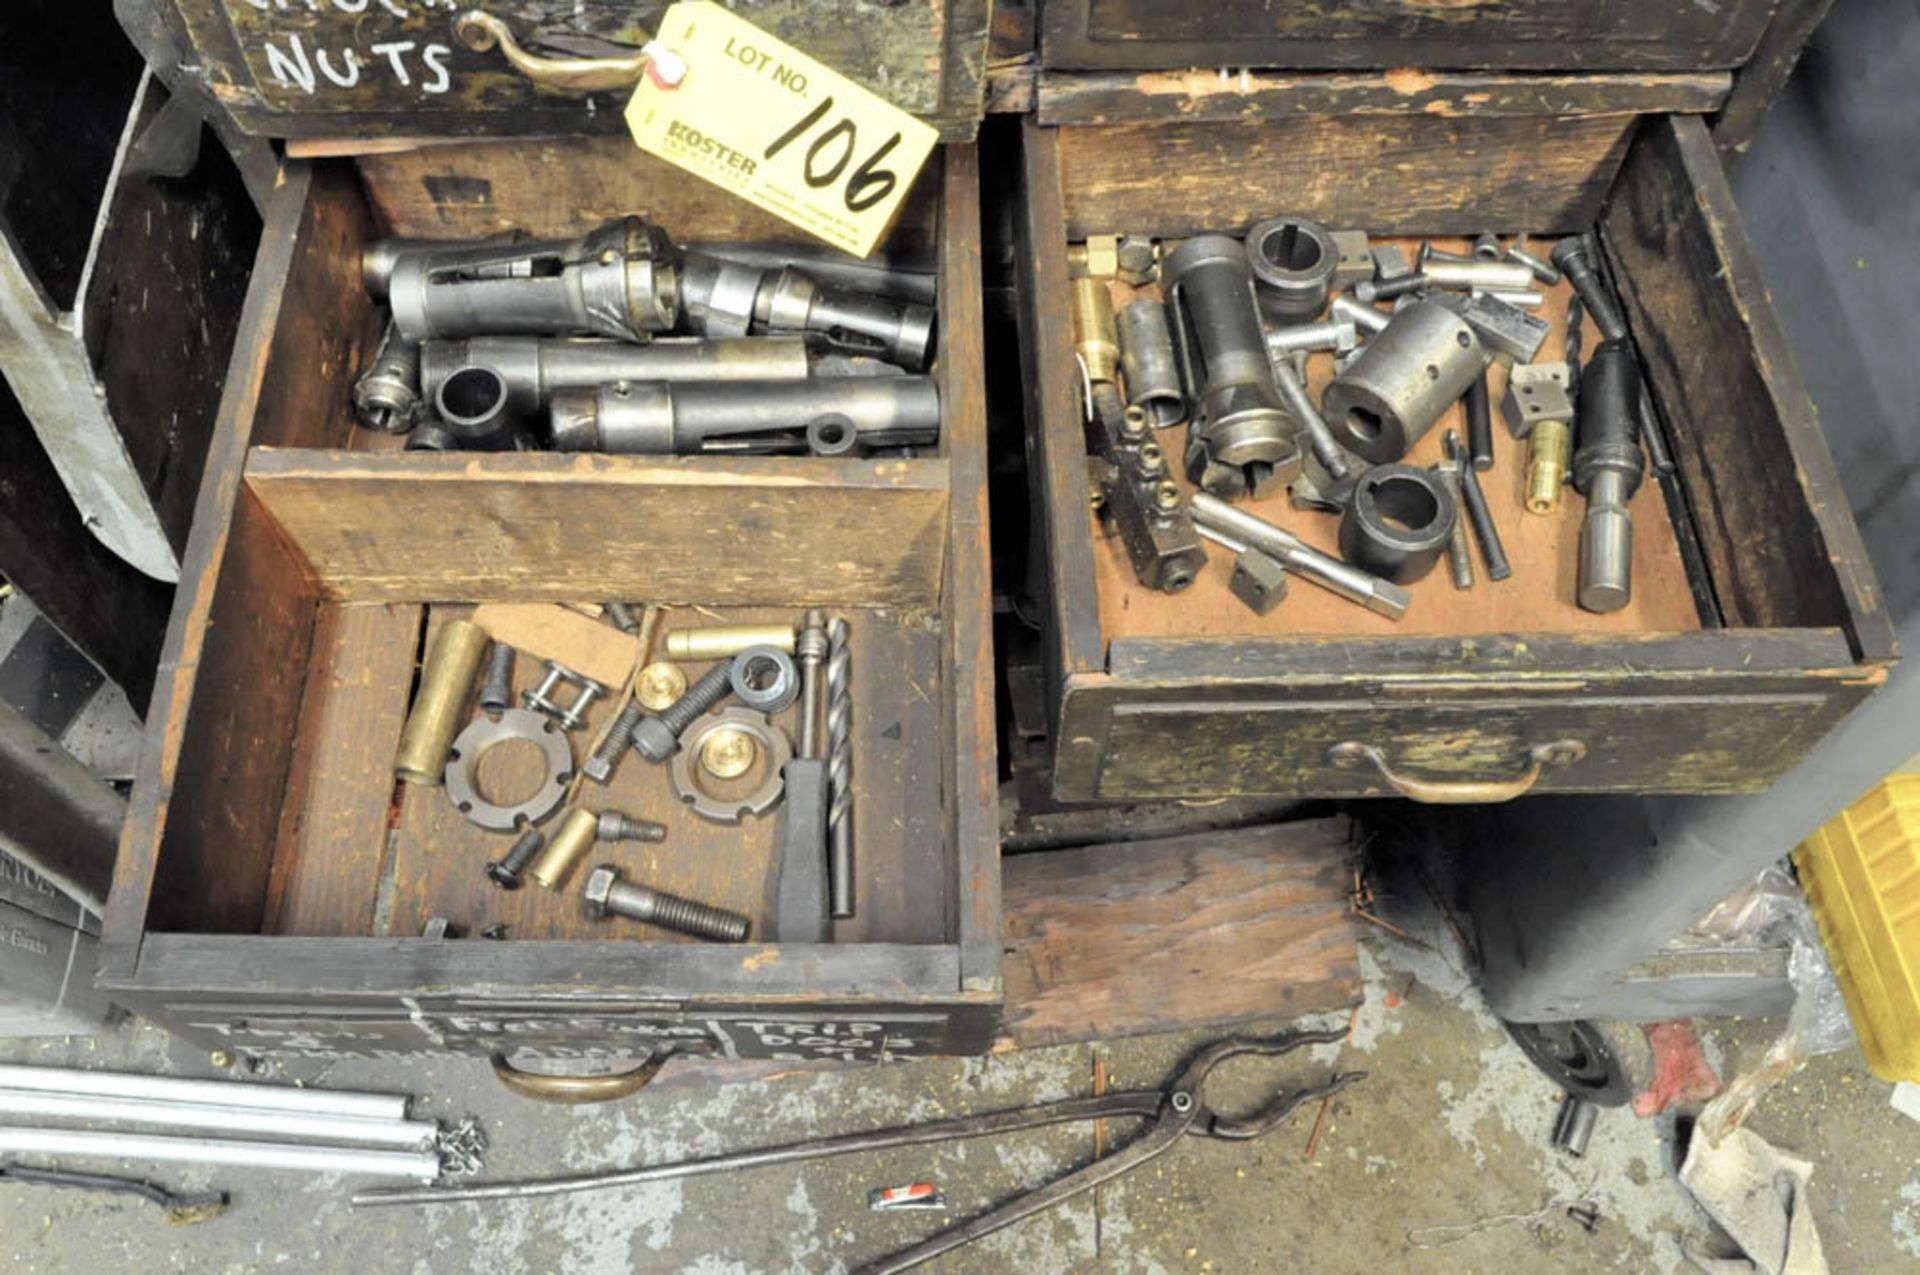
x: 1437, y: 1162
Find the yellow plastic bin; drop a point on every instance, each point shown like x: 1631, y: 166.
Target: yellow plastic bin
x: 1862, y: 875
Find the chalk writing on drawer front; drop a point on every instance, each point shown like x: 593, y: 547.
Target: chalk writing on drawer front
x: 349, y: 54
x: 849, y: 1040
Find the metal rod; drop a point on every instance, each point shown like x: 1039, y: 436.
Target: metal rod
x: 1492, y: 552
x: 324, y: 1128
x: 1350, y: 582
x: 217, y: 1093
x: 1143, y: 1103
x: 84, y: 1144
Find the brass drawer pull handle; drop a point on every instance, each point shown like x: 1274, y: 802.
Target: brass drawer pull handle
x: 1561, y: 752
x: 482, y: 31
x: 582, y: 1089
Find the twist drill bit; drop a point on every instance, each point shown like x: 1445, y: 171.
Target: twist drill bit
x: 840, y: 766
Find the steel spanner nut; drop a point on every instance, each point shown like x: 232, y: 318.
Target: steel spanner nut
x: 775, y: 750
x: 482, y: 735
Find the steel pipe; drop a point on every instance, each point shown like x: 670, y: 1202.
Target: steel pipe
x: 1212, y: 514
x: 827, y: 417
x: 618, y: 280
x: 1217, y: 332
x: 534, y: 367
x: 82, y: 1144
x: 301, y: 1126
x: 218, y: 1093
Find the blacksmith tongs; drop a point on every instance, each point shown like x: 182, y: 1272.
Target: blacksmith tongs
x: 1175, y: 1111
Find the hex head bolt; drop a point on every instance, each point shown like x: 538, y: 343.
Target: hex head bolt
x: 506, y: 871
x: 616, y: 826
x: 1575, y: 260
x: 496, y: 692
x: 655, y: 738
x: 1371, y: 290
x: 607, y: 895
x: 599, y: 767
x: 622, y: 616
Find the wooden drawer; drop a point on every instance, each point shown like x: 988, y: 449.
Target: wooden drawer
x: 1508, y: 34
x: 272, y: 879
x: 1756, y: 621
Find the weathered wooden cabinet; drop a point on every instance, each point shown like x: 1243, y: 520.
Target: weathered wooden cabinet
x: 273, y: 881
x: 339, y: 68
x: 1756, y: 622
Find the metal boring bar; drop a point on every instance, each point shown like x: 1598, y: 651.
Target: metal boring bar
x: 723, y: 296
x: 1217, y: 335
x: 1492, y: 552
x: 534, y: 367
x: 833, y: 417
x: 1350, y: 582
x: 618, y: 280
x: 900, y: 332
x: 898, y: 276
x: 1607, y: 469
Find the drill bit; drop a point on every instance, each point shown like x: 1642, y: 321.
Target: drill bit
x: 840, y: 766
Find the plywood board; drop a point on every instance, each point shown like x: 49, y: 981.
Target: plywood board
x: 546, y: 527
x: 333, y: 824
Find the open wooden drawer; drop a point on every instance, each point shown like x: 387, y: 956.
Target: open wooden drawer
x: 1756, y: 621
x: 273, y: 880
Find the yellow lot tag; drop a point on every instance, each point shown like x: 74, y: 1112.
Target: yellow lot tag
x: 728, y: 102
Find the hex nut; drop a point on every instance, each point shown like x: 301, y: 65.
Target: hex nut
x: 1136, y: 260
x: 600, y: 883
x: 1258, y: 581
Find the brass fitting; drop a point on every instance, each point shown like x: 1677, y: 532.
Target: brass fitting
x: 659, y: 685
x: 728, y: 753
x: 1096, y: 333
x: 726, y: 641
x: 565, y: 848
x: 1548, y: 449
x: 445, y: 681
